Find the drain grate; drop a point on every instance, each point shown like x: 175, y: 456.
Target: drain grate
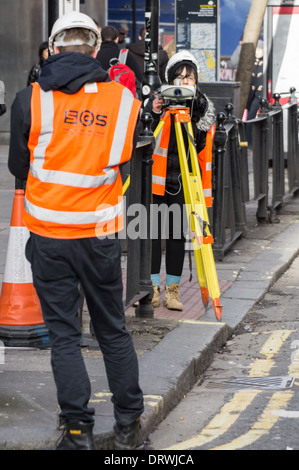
x: 252, y: 382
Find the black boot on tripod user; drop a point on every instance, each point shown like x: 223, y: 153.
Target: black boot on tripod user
x: 77, y: 436
x: 127, y: 437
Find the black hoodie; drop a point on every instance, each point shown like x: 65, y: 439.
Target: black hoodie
x: 67, y: 72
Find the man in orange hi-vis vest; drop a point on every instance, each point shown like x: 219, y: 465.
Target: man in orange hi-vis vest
x: 168, y: 197
x: 70, y: 132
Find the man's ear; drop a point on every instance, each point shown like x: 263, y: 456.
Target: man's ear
x: 95, y: 52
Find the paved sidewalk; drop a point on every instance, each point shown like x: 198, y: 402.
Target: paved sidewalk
x: 168, y: 369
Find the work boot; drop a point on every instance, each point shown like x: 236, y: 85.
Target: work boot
x: 156, y: 296
x: 61, y: 422
x: 77, y: 436
x: 127, y: 436
x: 172, y: 297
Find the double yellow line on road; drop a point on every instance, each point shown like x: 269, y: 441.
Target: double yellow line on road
x: 241, y: 400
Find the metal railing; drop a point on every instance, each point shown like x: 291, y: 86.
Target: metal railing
x: 274, y: 157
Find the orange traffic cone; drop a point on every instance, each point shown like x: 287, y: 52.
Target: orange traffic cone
x: 21, y: 320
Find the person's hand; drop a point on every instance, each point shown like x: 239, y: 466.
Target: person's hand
x: 2, y: 109
x: 157, y: 104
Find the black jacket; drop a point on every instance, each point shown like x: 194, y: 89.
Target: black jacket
x: 66, y: 72
x: 110, y: 50
x: 256, y: 91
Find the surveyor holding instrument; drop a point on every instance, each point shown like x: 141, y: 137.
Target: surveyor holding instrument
x: 71, y: 130
x: 182, y: 70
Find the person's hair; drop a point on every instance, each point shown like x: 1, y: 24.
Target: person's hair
x: 189, y: 71
x: 142, y: 32
x: 77, y: 33
x: 44, y: 45
x: 109, y: 33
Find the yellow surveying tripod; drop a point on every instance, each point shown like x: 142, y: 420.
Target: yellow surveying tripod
x: 197, y: 214
x: 196, y: 210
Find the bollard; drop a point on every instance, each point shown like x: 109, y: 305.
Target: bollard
x: 261, y: 152
x: 145, y: 308
x: 139, y: 286
x: 292, y: 139
x: 243, y: 148
x: 236, y: 176
x: 278, y: 186
x: 219, y: 150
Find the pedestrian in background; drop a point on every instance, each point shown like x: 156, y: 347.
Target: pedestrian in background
x: 257, y: 82
x: 183, y: 68
x: 70, y: 132
x: 36, y: 68
x: 256, y: 91
x: 109, y: 50
x: 121, y: 39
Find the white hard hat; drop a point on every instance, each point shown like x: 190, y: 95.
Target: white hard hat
x: 183, y: 57
x: 75, y: 19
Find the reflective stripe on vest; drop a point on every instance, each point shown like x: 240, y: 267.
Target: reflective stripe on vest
x: 76, y: 144
x: 160, y: 158
x: 100, y: 215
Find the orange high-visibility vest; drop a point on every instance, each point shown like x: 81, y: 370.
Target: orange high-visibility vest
x: 160, y: 161
x: 205, y: 158
x: 159, y: 169
x: 77, y: 142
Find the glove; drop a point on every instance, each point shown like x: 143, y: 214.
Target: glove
x: 2, y: 109
x: 199, y: 107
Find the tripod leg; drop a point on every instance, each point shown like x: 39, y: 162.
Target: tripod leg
x: 195, y: 201
x: 207, y: 252
x: 201, y: 277
x: 192, y: 205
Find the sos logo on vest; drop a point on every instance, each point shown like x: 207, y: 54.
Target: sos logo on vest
x: 86, y: 118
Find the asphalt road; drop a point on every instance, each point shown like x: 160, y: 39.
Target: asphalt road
x: 248, y: 398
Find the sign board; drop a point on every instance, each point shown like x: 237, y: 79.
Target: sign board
x: 67, y: 6
x: 197, y: 29
x: 282, y: 52
x: 281, y: 3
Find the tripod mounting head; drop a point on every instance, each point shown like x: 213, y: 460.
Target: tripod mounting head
x: 178, y: 94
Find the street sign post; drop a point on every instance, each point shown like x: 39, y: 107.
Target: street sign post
x: 197, y: 29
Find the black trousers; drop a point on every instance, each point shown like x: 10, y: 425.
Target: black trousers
x: 169, y: 225
x: 58, y: 266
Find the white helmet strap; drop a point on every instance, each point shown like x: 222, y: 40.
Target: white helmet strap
x: 60, y: 41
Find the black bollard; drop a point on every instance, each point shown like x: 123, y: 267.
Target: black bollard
x: 151, y: 80
x: 145, y: 308
x: 219, y: 150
